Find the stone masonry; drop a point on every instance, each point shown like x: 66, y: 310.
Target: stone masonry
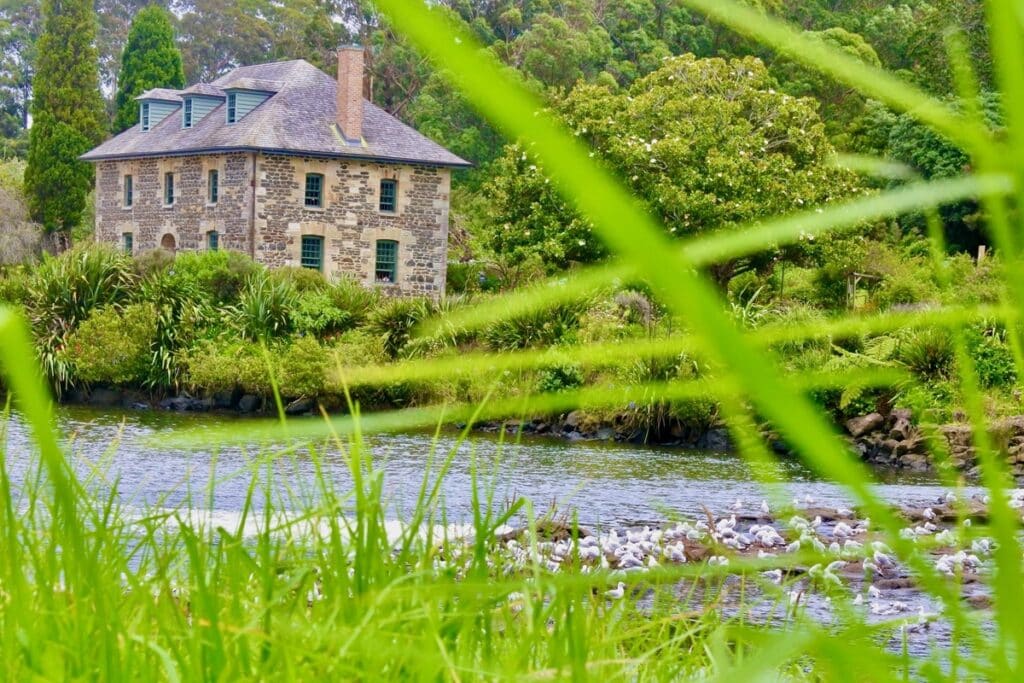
x: 349, y: 220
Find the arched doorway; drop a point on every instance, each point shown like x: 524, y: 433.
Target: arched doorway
x: 167, y: 242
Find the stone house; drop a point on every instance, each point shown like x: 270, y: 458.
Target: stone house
x: 283, y: 163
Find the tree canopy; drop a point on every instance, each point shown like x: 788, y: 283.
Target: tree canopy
x: 707, y: 144
x: 150, y: 60
x: 68, y: 116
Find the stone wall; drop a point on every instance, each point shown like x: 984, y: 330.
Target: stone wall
x: 350, y: 221
x: 191, y: 216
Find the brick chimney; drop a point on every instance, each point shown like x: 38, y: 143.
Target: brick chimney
x: 350, y: 92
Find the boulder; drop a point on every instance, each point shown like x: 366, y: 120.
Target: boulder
x: 901, y: 429
x: 248, y: 403
x: 224, y: 400
x: 859, y: 426
x: 299, y: 406
x: 574, y: 419
x: 716, y: 439
x: 104, y: 397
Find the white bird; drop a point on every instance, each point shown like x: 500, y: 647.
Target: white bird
x: 765, y: 510
x: 929, y: 514
x: 793, y: 547
x: 617, y: 592
x: 859, y: 599
x: 873, y: 592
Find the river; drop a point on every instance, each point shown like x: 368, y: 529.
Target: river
x: 605, y: 483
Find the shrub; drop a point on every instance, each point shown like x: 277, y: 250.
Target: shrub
x: 220, y: 366
x: 316, y: 313
x: 830, y: 287
x: 302, y: 279
x: 544, y: 327
x: 559, y: 378
x: 14, y: 284
x: 363, y: 347
x: 152, y: 262
x: 993, y: 359
x: 183, y: 315
x: 356, y: 300
x: 929, y: 353
x: 972, y: 283
x: 466, y: 278
x: 220, y: 275
x: 909, y: 283
x: 64, y: 290
x: 394, y: 320
x: 303, y: 369
x: 112, y: 346
x: 264, y: 309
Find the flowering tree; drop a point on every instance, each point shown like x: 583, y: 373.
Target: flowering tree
x: 706, y: 144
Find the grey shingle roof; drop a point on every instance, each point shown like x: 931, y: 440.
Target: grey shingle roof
x: 161, y: 94
x: 298, y: 119
x: 203, y: 89
x: 259, y: 84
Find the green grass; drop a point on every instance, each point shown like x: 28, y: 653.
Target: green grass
x: 199, y: 602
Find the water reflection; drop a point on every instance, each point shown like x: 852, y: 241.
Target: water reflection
x: 604, y: 483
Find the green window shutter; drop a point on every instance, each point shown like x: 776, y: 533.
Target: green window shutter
x: 168, y: 189
x: 213, y: 180
x: 212, y: 240
x: 312, y: 252
x: 187, y: 113
x: 128, y: 241
x: 314, y: 190
x: 129, y: 191
x: 388, y: 195
x: 386, y: 269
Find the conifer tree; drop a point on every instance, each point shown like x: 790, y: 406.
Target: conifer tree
x: 67, y: 117
x: 150, y: 60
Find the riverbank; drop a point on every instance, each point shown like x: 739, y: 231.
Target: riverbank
x: 892, y: 441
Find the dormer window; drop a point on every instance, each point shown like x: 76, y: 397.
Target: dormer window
x: 144, y: 115
x: 187, y: 113
x: 232, y: 107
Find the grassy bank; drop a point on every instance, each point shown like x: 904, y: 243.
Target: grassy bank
x: 215, y: 324
x: 321, y: 583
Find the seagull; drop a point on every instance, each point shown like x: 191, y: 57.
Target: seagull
x: 928, y: 514
x: 617, y: 592
x: 859, y: 600
x: 765, y: 510
x: 873, y: 592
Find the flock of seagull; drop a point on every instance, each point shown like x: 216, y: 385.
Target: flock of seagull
x: 829, y: 549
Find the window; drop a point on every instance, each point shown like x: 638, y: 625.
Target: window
x: 128, y: 240
x: 312, y: 252
x: 129, y: 191
x: 187, y: 113
x: 168, y: 189
x: 212, y: 181
x: 388, y: 195
x: 387, y: 261
x: 314, y: 190
x: 144, y: 115
x: 232, y: 107
x: 212, y: 240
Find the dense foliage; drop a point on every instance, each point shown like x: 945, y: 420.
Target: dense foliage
x: 68, y: 117
x: 150, y: 60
